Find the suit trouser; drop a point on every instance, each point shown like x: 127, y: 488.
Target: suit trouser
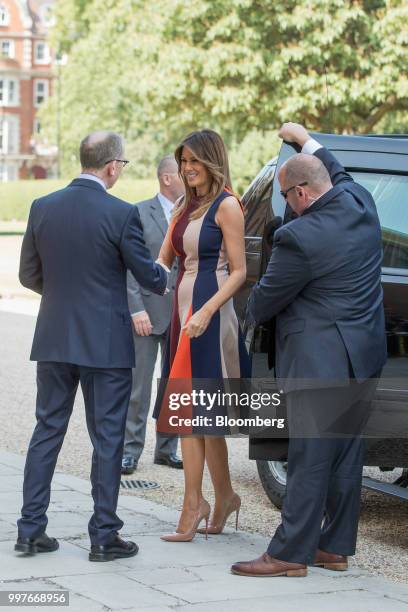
x: 106, y: 393
x: 322, y: 501
x: 146, y: 349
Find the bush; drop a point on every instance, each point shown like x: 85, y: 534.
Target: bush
x: 250, y: 155
x: 16, y: 197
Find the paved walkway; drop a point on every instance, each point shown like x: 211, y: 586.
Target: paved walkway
x: 163, y: 576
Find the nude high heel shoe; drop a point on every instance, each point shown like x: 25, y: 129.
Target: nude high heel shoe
x: 203, y: 513
x: 234, y: 506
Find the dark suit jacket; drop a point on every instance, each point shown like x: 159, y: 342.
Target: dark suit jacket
x: 140, y: 298
x: 78, y: 244
x: 323, y: 283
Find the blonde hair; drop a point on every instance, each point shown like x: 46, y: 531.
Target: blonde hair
x: 209, y: 149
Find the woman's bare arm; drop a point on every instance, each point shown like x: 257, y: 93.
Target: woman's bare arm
x: 167, y: 254
x: 231, y: 221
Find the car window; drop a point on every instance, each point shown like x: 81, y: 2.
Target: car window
x: 257, y: 202
x: 390, y: 193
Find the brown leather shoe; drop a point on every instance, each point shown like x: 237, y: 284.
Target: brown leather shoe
x: 330, y: 561
x: 266, y: 565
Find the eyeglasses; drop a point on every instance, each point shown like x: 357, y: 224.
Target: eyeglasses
x: 125, y: 162
x: 285, y: 193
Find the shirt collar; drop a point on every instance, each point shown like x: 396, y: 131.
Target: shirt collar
x: 324, y: 198
x: 167, y: 206
x: 165, y: 202
x: 92, y: 177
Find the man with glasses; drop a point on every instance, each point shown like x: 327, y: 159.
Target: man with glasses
x: 78, y: 245
x: 323, y: 284
x: 151, y: 319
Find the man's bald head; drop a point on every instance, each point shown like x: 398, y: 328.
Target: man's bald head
x: 100, y: 147
x: 167, y: 165
x: 171, y: 185
x: 302, y: 168
x: 303, y: 179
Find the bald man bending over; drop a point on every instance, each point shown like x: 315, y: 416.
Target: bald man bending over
x: 78, y: 245
x: 323, y: 284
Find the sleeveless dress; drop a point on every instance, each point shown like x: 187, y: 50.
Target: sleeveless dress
x: 219, y: 353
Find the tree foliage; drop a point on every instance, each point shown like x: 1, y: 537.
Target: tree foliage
x: 155, y: 71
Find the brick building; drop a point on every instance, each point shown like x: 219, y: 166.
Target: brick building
x: 26, y: 81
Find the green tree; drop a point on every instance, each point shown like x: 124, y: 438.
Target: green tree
x: 335, y: 65
x: 103, y: 84
x: 155, y: 71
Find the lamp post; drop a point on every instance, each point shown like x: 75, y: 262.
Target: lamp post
x: 59, y: 60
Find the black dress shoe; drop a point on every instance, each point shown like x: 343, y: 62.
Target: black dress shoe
x: 31, y: 546
x: 129, y: 464
x: 119, y: 549
x: 171, y: 460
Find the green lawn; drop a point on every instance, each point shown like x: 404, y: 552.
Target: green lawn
x: 16, y: 197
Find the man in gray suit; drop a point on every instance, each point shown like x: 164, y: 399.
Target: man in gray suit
x: 151, y: 319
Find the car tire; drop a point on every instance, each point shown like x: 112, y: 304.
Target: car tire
x: 273, y: 478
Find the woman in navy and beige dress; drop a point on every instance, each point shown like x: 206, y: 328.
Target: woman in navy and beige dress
x: 207, y: 235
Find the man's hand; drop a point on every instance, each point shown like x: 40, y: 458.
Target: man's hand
x: 143, y: 326
x: 294, y: 132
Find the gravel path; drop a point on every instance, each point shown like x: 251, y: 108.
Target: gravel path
x: 383, y: 536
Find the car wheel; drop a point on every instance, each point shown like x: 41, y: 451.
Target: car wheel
x: 273, y: 478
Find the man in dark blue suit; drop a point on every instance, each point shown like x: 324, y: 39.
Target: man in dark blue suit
x: 323, y: 284
x: 78, y: 245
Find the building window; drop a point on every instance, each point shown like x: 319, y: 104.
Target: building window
x: 8, y: 92
x: 47, y: 15
x: 40, y: 92
x: 9, y: 135
x: 41, y: 53
x: 7, y: 48
x: 4, y: 15
x: 8, y: 172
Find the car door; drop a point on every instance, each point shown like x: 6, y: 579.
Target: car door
x: 258, y: 212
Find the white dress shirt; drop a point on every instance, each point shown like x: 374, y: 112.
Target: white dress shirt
x: 167, y: 206
x: 311, y: 146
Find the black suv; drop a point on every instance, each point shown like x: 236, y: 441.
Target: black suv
x: 380, y: 163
